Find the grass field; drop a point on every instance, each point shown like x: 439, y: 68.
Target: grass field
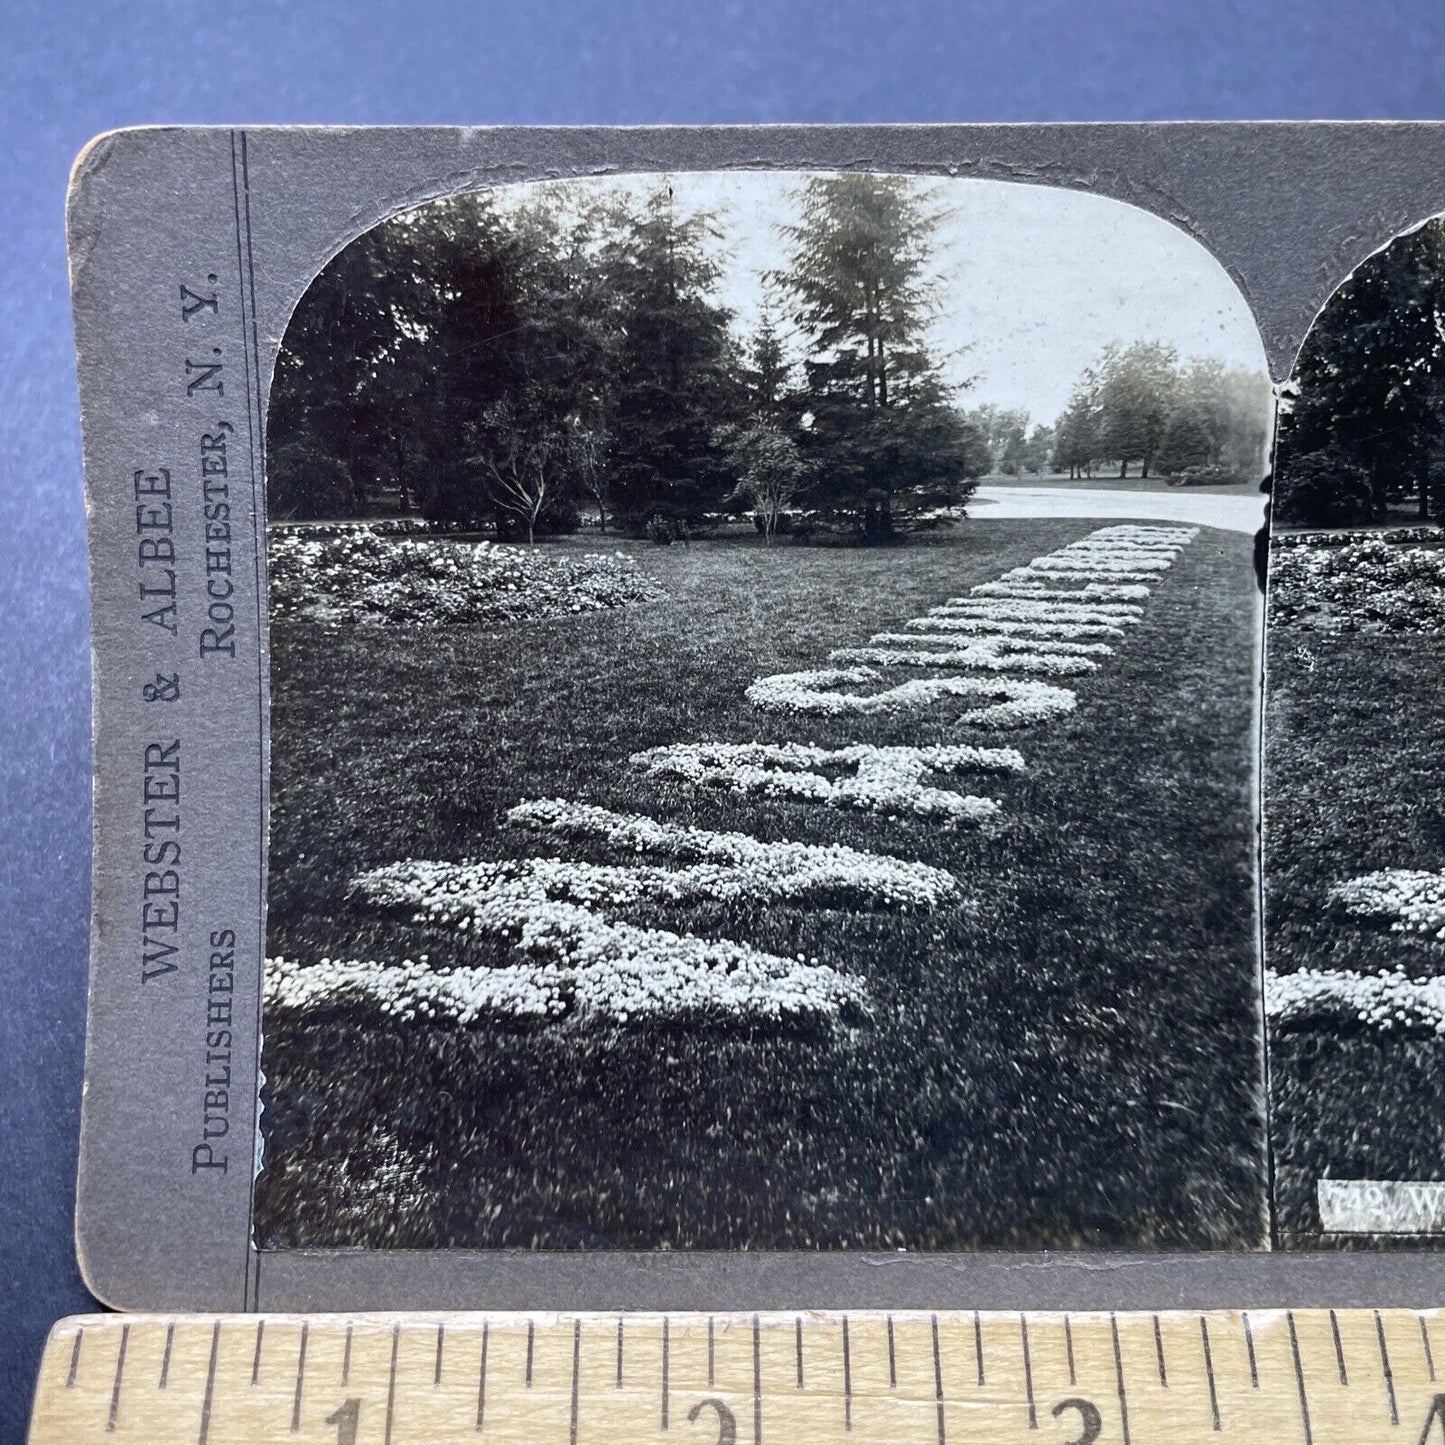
x: 1354, y: 775
x: 1069, y: 1055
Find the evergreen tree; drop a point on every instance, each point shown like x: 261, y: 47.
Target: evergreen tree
x: 1371, y: 374
x: 879, y: 421
x: 674, y: 366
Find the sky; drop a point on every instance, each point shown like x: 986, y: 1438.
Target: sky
x: 1029, y: 282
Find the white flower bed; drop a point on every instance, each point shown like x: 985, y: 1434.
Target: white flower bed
x: 585, y: 965
x: 996, y: 636
x: 1413, y: 900
x: 362, y: 577
x: 1002, y: 702
x: 1073, y: 571
x: 980, y: 656
x: 1366, y: 584
x: 1038, y: 590
x: 1132, y: 532
x: 1024, y: 609
x: 882, y: 779
x: 1104, y: 559
x: 782, y: 870
x: 985, y: 625
x: 1388, y: 1000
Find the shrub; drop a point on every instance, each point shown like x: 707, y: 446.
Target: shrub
x: 1322, y: 489
x: 1209, y: 476
x: 304, y: 481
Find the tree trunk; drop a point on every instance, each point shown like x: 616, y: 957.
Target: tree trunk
x: 1123, y: 470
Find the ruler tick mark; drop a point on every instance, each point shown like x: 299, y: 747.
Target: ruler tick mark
x: 1159, y: 1354
x: 346, y: 1358
x: 798, y: 1346
x: 115, y: 1388
x: 1209, y: 1372
x: 1429, y: 1353
x: 436, y: 1378
x: 74, y: 1359
x: 256, y: 1358
x: 576, y: 1373
x: 532, y: 1339
x: 938, y: 1377
x: 1119, y: 1378
x: 166, y: 1358
x: 210, y: 1385
x: 619, y: 1352
x: 757, y: 1383
x: 1069, y: 1350
x: 977, y: 1342
x: 1299, y: 1379
x: 1249, y: 1348
x: 1386, y: 1371
x: 391, y: 1382
x: 847, y: 1380
x: 1339, y: 1349
x: 482, y: 1376
x: 300, y: 1376
x: 711, y: 1355
x: 892, y: 1358
x: 665, y: 1343
x: 1028, y: 1372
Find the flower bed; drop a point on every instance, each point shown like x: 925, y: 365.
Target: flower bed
x: 978, y: 655
x: 1413, y: 900
x: 997, y: 636
x: 1365, y: 584
x: 882, y: 780
x: 986, y: 625
x: 361, y: 576
x: 1387, y: 1001
x: 1040, y: 591
x: 586, y: 965
x: 377, y: 526
x: 998, y: 702
x: 1024, y: 609
x: 782, y: 870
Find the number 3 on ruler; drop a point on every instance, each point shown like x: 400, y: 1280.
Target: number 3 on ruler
x: 1089, y: 1418
x: 345, y: 1419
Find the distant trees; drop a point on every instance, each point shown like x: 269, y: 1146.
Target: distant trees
x: 1366, y: 426
x: 1137, y: 404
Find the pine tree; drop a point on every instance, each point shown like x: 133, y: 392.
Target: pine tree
x: 879, y: 421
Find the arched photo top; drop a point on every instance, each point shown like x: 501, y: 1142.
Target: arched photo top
x: 622, y: 325
x: 1362, y: 425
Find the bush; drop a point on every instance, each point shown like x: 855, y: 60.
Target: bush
x: 1322, y: 489
x: 304, y: 482
x: 1210, y: 476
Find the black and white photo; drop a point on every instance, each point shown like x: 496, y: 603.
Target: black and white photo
x: 763, y: 725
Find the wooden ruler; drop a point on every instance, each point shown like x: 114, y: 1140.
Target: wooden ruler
x: 1269, y: 1377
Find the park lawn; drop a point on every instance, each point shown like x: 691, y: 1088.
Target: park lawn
x: 1354, y: 777
x: 1069, y: 1056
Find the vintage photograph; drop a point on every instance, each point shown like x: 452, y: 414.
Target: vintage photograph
x: 764, y: 729
x: 1354, y: 779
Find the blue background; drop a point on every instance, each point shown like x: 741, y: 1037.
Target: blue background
x: 68, y: 70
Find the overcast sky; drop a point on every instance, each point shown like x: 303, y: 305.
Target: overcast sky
x: 1029, y: 282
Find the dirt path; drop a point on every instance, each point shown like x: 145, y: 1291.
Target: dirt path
x: 1231, y: 513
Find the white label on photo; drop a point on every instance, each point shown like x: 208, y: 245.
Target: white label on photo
x: 1382, y: 1206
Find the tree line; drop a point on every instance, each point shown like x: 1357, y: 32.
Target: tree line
x: 505, y: 367
x: 500, y: 367
x: 1365, y: 426
x: 1200, y: 421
